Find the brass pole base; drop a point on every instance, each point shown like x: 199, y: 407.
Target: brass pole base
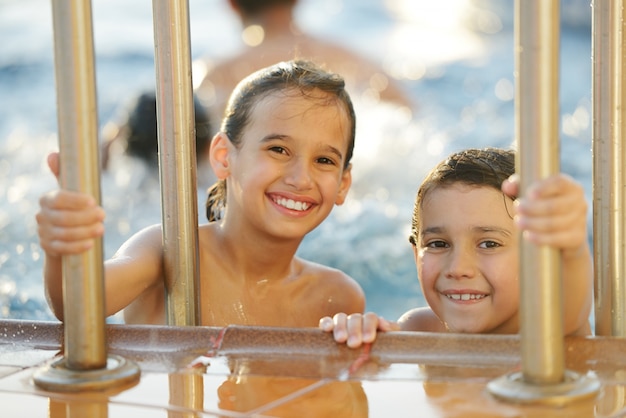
x: 575, y: 387
x: 56, y: 377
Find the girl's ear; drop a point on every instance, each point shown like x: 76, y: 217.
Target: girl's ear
x: 219, y: 155
x: 344, y: 186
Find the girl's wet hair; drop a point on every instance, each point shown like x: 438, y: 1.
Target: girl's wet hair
x: 475, y: 167
x: 298, y: 78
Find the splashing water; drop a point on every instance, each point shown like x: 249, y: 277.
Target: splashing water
x: 458, y: 66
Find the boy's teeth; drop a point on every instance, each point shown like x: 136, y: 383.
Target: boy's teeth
x: 292, y: 204
x: 465, y: 296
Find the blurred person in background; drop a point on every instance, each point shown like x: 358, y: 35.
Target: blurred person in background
x: 272, y: 35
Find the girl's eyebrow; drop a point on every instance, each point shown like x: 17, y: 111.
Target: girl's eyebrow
x: 432, y: 230
x: 271, y: 137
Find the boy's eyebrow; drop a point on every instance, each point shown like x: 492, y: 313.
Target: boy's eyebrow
x: 329, y: 148
x: 483, y: 229
x: 335, y: 151
x: 494, y: 229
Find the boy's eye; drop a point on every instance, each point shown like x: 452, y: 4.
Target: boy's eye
x: 489, y: 244
x: 325, y: 160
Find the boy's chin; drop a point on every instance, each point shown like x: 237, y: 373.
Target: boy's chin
x: 465, y: 327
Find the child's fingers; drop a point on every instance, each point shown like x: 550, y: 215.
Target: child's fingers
x: 355, y: 330
x: 66, y: 199
x: 53, y: 163
x: 340, y: 329
x: 385, y: 325
x: 326, y: 324
x: 555, y: 185
x: 510, y: 186
x: 554, y: 212
x: 59, y: 247
x: 68, y: 222
x: 371, y: 324
x: 564, y: 230
x: 63, y: 239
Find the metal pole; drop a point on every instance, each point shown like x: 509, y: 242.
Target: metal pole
x: 83, y: 288
x: 609, y: 157
x: 85, y: 364
x: 537, y: 134
x: 177, y: 160
x: 543, y: 378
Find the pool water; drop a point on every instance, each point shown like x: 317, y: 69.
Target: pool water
x: 463, y: 84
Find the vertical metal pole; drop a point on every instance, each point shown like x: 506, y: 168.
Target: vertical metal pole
x: 177, y: 160
x: 537, y: 134
x: 83, y: 288
x: 609, y: 158
x: 85, y: 364
x: 543, y: 378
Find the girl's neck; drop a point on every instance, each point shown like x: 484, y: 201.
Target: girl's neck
x: 257, y: 256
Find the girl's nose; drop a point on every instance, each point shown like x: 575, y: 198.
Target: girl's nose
x: 299, y: 175
x: 461, y: 264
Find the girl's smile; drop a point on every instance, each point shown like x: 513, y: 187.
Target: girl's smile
x: 290, y: 164
x: 295, y: 206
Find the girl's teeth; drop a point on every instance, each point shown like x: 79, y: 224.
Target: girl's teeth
x: 292, y: 204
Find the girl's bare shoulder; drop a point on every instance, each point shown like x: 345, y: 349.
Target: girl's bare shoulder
x: 322, y: 272
x: 421, y: 319
x: 147, y: 240
x: 334, y: 282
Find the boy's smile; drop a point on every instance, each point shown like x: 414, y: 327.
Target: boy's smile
x: 467, y: 258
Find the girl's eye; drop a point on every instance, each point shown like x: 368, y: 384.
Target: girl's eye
x: 489, y: 244
x: 437, y: 244
x: 278, y: 150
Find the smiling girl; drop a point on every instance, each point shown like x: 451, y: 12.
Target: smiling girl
x: 282, y: 158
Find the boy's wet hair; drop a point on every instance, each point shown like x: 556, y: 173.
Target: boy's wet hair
x: 252, y: 7
x: 140, y: 129
x: 297, y: 78
x: 475, y: 167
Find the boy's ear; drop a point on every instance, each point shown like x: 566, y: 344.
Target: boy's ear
x: 344, y: 186
x: 219, y: 155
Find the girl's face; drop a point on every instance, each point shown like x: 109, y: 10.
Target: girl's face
x: 288, y: 172
x: 467, y: 259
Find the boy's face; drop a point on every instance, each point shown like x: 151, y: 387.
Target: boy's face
x: 467, y: 259
x: 288, y: 173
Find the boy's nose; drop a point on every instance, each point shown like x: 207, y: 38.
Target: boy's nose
x: 461, y: 264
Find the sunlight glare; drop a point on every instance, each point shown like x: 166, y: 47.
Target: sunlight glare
x: 434, y: 32
x: 253, y: 35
